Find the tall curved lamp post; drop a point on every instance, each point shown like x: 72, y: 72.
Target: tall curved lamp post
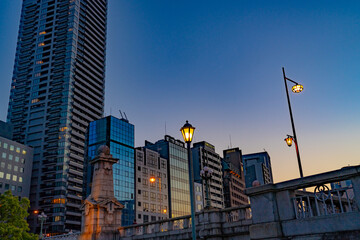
x: 206, y: 174
x: 188, y: 132
x: 297, y: 88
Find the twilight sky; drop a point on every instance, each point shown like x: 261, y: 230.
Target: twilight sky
x: 218, y: 65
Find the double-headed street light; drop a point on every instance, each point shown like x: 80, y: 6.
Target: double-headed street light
x: 188, y: 132
x: 42, y: 217
x: 206, y: 174
x: 297, y: 88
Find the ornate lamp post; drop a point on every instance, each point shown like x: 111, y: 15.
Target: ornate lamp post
x: 206, y: 174
x: 153, y: 180
x: 297, y: 88
x: 42, y: 217
x: 188, y: 132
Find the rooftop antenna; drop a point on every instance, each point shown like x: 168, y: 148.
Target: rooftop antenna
x: 121, y: 114
x: 126, y: 116
x: 230, y: 140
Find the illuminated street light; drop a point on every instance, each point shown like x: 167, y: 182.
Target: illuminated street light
x: 188, y: 132
x: 289, y: 140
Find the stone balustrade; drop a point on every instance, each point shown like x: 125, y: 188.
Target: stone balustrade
x: 210, y: 224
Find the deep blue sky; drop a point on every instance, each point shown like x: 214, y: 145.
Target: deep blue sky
x: 218, y: 65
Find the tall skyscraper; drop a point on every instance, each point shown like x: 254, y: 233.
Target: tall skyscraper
x: 57, y: 89
x: 118, y: 135
x: 204, y: 155
x: 257, y: 167
x: 178, y: 181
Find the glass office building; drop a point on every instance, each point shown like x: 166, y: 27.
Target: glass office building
x: 57, y: 88
x: 176, y: 154
x: 118, y: 135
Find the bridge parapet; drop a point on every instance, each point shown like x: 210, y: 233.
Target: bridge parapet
x: 286, y: 210
x: 210, y: 224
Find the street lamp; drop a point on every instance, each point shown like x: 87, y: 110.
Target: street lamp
x: 42, y: 217
x: 188, y: 132
x: 206, y: 174
x: 153, y: 180
x: 297, y: 88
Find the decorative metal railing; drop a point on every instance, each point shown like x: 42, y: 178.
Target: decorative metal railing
x: 324, y: 201
x: 69, y: 236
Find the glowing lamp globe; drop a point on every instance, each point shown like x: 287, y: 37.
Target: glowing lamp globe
x: 188, y: 132
x: 297, y: 88
x: 289, y: 141
x: 152, y: 179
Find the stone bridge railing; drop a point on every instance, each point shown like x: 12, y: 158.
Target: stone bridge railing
x: 211, y: 224
x: 287, y: 210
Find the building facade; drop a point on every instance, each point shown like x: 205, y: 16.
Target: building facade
x: 6, y: 130
x: 15, y: 167
x: 151, y: 186
x: 257, y: 167
x: 118, y: 135
x: 178, y: 174
x: 57, y: 89
x: 204, y: 154
x: 234, y: 178
x: 199, y: 197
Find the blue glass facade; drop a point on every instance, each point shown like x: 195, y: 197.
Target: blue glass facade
x: 118, y: 135
x: 176, y: 154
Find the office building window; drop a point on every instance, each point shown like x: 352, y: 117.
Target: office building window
x: 3, y: 155
x: 16, y: 168
x: 5, y: 145
x: 12, y: 148
x: 19, y: 189
x: 8, y: 176
x: 2, y: 164
x: 1, y: 174
x: 14, y: 178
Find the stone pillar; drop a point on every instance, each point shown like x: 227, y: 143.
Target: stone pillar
x: 101, y: 211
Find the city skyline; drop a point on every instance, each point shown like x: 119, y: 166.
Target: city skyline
x: 232, y: 55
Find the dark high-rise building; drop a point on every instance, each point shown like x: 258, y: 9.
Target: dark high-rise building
x: 57, y: 89
x: 257, y: 167
x: 118, y: 135
x: 204, y: 155
x: 234, y: 179
x: 178, y: 181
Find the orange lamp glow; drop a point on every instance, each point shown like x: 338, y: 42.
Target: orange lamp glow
x: 297, y: 88
x: 36, y: 211
x: 289, y: 140
x: 188, y: 132
x: 152, y: 179
x: 164, y: 210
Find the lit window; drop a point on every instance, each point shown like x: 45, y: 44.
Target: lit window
x: 14, y: 178
x: 9, y: 166
x: 20, y: 179
x: 57, y: 218
x: 5, y: 145
x: 63, y: 129
x: 41, y: 33
x: 21, y: 169
x: 1, y: 175
x: 35, y: 100
x: 16, y: 168
x: 24, y: 152
x: 22, y: 160
x: 41, y: 44
x: 58, y: 201
x: 8, y: 176
x: 10, y: 157
x: 3, y: 155
x: 18, y: 150
x: 37, y: 74
x: 39, y: 62
x: 2, y: 165
x: 12, y: 148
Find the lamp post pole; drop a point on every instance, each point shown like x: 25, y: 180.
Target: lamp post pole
x: 206, y: 174
x: 42, y: 217
x: 292, y: 123
x: 188, y: 131
x: 191, y: 179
